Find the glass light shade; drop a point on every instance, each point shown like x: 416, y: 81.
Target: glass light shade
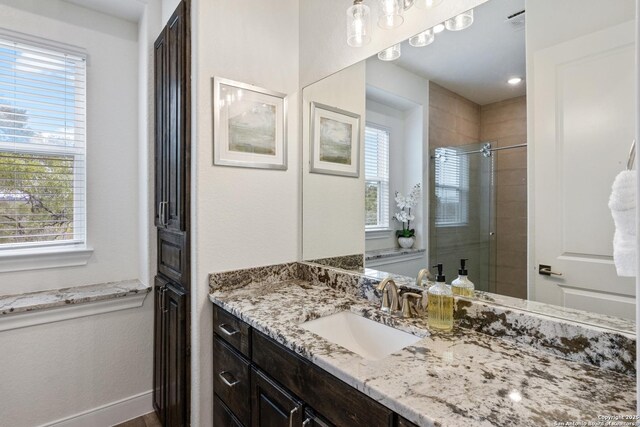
x: 438, y: 28
x: 423, y: 39
x: 460, y: 22
x: 427, y: 4
x: 390, y: 54
x: 358, y: 25
x: 390, y: 13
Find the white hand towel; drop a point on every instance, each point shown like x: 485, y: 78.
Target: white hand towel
x: 622, y: 203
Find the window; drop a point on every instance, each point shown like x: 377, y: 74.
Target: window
x: 451, y: 187
x: 42, y: 145
x: 376, y: 166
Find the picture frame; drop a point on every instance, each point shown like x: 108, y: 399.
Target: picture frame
x: 334, y: 141
x: 249, y: 126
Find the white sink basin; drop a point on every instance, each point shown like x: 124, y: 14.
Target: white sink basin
x: 369, y: 339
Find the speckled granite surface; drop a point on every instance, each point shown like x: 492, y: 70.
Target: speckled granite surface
x: 346, y: 262
x: 576, y: 340
x: 43, y: 300
x: 390, y: 253
x: 459, y: 379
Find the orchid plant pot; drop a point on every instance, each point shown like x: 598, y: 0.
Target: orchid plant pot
x: 406, y: 242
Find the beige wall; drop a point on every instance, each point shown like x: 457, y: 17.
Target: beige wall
x: 333, y: 205
x: 506, y: 123
x: 453, y: 120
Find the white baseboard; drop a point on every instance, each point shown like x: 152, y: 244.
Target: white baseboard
x: 109, y: 414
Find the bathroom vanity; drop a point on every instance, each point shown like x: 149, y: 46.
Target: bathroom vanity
x: 500, y: 366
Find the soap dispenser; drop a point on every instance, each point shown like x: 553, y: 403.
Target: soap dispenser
x: 440, y: 305
x: 462, y: 285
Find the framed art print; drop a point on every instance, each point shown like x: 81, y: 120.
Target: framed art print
x: 249, y: 126
x: 335, y: 141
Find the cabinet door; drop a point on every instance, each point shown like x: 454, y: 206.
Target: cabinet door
x: 271, y: 405
x: 160, y: 72
x: 158, y: 348
x: 177, y: 109
x: 175, y: 312
x: 222, y: 416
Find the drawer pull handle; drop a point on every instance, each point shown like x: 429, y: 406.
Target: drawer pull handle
x: 293, y: 411
x: 306, y: 422
x: 227, y: 329
x: 226, y: 381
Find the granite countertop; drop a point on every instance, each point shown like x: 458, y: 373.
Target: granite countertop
x: 391, y: 252
x: 445, y: 379
x: 50, y: 299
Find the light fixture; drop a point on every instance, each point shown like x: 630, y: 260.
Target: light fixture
x: 358, y: 24
x: 390, y: 13
x: 390, y: 53
x: 427, y: 4
x: 514, y: 81
x: 438, y: 28
x: 422, y: 39
x: 406, y: 4
x: 460, y: 22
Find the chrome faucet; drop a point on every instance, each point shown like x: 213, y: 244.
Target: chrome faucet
x: 389, y: 286
x: 421, y: 275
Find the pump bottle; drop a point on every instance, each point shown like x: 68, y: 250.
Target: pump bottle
x: 462, y: 285
x: 440, y: 304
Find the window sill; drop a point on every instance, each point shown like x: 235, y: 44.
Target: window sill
x: 378, y: 233
x: 36, y: 308
x: 40, y: 258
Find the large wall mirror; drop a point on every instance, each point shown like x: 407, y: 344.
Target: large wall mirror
x: 514, y: 128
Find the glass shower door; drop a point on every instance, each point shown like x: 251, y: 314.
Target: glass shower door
x: 461, y: 225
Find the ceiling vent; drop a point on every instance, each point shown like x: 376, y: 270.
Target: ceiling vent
x: 517, y: 21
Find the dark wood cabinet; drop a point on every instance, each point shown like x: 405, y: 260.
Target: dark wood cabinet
x: 272, y: 405
x: 175, y: 313
x: 172, y: 122
x: 170, y: 387
x: 285, y: 389
x: 171, y: 376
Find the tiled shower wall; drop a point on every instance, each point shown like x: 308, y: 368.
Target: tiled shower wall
x: 506, y: 123
x: 456, y: 121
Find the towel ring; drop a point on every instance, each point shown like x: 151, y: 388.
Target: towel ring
x: 632, y: 155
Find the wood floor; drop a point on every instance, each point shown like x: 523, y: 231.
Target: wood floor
x: 148, y: 420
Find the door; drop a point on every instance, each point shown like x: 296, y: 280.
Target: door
x: 271, y: 405
x: 158, y: 346
x: 175, y: 301
x: 583, y: 126
x: 160, y: 62
x: 176, y: 129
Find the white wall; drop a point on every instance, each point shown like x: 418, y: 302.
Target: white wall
x: 168, y: 6
x: 241, y: 217
x: 393, y: 120
x: 414, y: 89
x: 57, y: 370
x: 323, y: 45
x: 333, y: 206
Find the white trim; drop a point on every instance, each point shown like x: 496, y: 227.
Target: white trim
x: 383, y: 233
x: 394, y: 259
x: 40, y: 258
x: 107, y: 415
x: 70, y: 311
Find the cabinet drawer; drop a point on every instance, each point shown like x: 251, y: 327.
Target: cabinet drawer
x: 338, y: 402
x: 231, y: 380
x: 232, y: 330
x: 222, y: 416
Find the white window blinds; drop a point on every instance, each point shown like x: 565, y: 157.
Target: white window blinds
x: 42, y: 145
x: 451, y: 187
x: 376, y: 161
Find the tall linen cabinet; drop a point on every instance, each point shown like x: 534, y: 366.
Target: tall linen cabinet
x: 171, y: 359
